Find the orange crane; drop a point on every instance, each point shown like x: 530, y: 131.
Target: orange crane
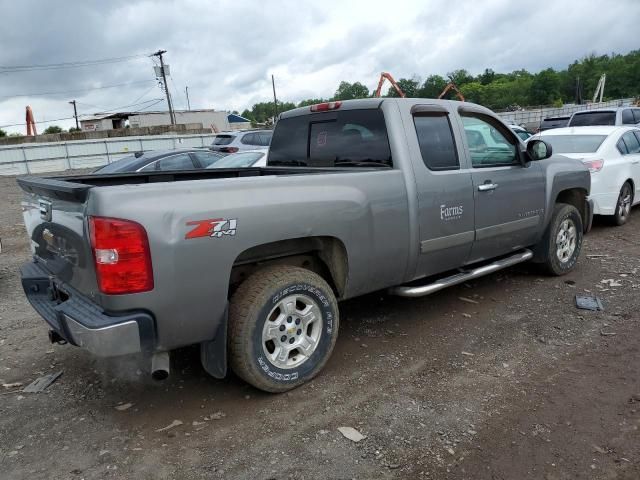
x: 387, y: 76
x: 31, y: 124
x: 452, y: 86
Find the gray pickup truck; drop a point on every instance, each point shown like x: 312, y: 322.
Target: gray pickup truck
x: 404, y: 195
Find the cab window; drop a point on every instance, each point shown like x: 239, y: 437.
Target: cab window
x: 489, y: 145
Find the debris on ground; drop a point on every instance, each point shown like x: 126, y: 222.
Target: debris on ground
x: 611, y: 282
x: 351, y: 434
x: 588, y: 302
x: 42, y: 383
x: 12, y: 385
x: 175, y: 423
x: 468, y: 354
x: 607, y: 334
x: 123, y: 407
x: 468, y: 300
x: 215, y: 416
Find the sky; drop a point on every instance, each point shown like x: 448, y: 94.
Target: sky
x: 226, y: 51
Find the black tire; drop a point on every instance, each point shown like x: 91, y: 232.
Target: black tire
x: 251, y: 305
x: 623, y: 205
x: 554, y: 262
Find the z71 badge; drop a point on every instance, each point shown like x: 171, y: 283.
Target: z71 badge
x: 213, y: 227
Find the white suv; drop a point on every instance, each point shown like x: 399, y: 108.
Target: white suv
x: 232, y: 142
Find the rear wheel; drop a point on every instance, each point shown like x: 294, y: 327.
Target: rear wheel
x: 562, y: 242
x: 283, y: 325
x: 623, y: 206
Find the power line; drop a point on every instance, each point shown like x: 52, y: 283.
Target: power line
x: 76, y: 91
x: 63, y: 65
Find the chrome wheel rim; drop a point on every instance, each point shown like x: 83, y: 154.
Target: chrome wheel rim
x: 624, y: 202
x: 292, y: 331
x: 566, y: 240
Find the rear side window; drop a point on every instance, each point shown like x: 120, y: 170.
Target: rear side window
x: 636, y: 115
x: 348, y: 138
x: 207, y: 158
x: 176, y: 162
x: 436, y: 142
x: 631, y: 142
x: 223, y: 139
x: 250, y: 139
x: 265, y: 138
x: 593, y: 118
x: 627, y: 117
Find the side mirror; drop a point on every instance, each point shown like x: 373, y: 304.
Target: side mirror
x: 539, y: 149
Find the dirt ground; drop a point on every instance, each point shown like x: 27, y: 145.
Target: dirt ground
x: 516, y: 383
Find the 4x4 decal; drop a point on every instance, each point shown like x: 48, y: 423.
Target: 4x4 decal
x: 213, y: 227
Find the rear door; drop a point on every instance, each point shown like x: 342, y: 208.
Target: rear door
x: 509, y: 196
x: 445, y: 191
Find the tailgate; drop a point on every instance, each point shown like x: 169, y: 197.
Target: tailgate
x: 55, y: 216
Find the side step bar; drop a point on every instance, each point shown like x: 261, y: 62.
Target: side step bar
x: 421, y: 290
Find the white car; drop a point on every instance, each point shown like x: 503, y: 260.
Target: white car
x: 613, y: 157
x: 249, y: 158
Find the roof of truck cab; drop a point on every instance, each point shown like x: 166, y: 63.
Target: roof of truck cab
x: 365, y: 103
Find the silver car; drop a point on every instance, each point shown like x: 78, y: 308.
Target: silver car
x: 233, y: 142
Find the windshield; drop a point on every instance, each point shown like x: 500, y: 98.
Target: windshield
x: 593, y: 118
x: 342, y: 138
x: 238, y: 160
x: 223, y: 139
x: 574, y: 143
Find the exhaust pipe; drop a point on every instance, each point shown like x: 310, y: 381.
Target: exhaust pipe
x: 160, y: 366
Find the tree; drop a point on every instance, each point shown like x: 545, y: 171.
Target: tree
x: 74, y: 129
x: 53, y: 129
x: 349, y: 91
x: 410, y: 87
x: 545, y: 88
x: 311, y: 101
x: 460, y: 77
x: 432, y: 87
x: 2, y: 133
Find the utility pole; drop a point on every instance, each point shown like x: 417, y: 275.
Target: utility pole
x: 275, y: 99
x: 159, y: 54
x: 186, y: 90
x: 75, y: 113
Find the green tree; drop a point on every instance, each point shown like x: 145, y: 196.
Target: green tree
x: 311, y: 101
x: 545, y: 88
x: 53, y: 129
x: 460, y: 77
x: 349, y: 91
x: 410, y: 87
x: 2, y: 133
x: 74, y: 129
x: 432, y: 87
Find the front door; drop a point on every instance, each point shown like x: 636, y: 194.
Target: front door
x: 444, y: 190
x: 509, y: 195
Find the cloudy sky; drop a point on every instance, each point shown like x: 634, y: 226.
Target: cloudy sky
x: 226, y: 51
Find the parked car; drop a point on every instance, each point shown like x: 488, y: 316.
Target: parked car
x: 249, y: 158
x: 162, y: 160
x: 232, y: 142
x: 606, y: 116
x: 522, y: 132
x: 553, y: 122
x: 358, y: 196
x: 613, y: 157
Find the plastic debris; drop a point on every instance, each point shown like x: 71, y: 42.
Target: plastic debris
x: 588, y: 302
x: 351, y: 434
x: 175, y: 423
x: 42, y: 383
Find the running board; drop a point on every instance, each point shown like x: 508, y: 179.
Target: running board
x: 421, y: 290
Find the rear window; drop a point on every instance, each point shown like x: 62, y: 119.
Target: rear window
x: 574, y: 143
x: 593, y: 118
x: 348, y: 138
x: 548, y: 123
x: 223, y: 139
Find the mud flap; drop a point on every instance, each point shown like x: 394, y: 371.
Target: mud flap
x: 213, y: 353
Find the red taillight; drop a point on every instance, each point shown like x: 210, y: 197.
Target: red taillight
x: 324, y: 107
x: 594, y: 165
x: 229, y: 149
x: 121, y: 254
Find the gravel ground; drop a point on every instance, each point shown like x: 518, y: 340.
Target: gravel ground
x: 510, y: 382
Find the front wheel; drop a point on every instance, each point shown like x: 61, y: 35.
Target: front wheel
x: 623, y: 205
x: 562, y: 242
x: 283, y: 325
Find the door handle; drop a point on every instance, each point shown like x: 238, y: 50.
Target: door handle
x: 485, y: 187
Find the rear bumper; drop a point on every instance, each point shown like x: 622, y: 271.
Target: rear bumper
x: 604, y: 203
x: 81, y: 322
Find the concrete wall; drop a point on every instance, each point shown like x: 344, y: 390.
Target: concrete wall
x: 32, y: 158
x: 206, y: 118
